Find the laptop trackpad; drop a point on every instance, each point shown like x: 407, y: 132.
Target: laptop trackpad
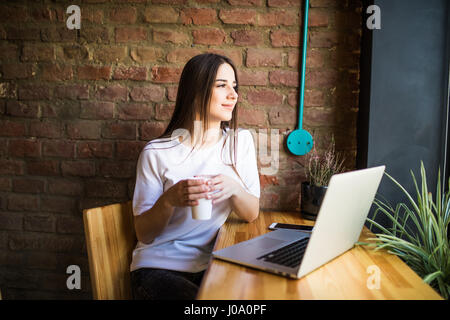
x: 266, y: 243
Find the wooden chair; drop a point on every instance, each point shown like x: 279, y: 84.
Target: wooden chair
x: 110, y: 240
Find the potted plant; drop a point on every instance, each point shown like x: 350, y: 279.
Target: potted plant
x: 319, y: 170
x: 423, y: 243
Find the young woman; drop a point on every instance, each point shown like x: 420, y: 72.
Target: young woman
x: 202, y: 137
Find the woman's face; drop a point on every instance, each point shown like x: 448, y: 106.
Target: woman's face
x: 223, y: 96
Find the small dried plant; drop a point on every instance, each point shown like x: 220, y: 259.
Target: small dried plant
x: 322, y: 167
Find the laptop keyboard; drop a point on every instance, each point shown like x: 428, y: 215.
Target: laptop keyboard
x: 290, y: 255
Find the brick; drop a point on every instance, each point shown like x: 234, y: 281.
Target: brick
x: 153, y: 93
x: 134, y: 111
x: 162, y: 36
x: 151, y: 130
x: 75, y: 52
x: 43, y: 167
x: 284, y: 3
x: 164, y: 111
x: 110, y: 54
x: 252, y: 117
x: 70, y: 225
x: 26, y: 185
x: 105, y: 189
x: 5, y: 184
x: 83, y: 129
x: 8, y: 52
x: 32, y: 53
x: 198, y: 16
x: 58, y: 148
x: 11, y: 167
x: 146, y: 54
x: 117, y: 169
x: 78, y: 168
x: 24, y: 148
x: 129, y: 150
x: 252, y: 78
x: 234, y: 55
x: 72, y: 92
x: 65, y: 187
x: 23, y: 110
x: 321, y: 78
x: 238, y: 16
x: 264, y: 58
x: 172, y: 93
x: 130, y: 73
x: 130, y: 34
x: 40, y: 223
x: 97, y: 110
x: 92, y: 14
x: 46, y: 129
x: 112, y: 93
x: 43, y: 14
x: 58, y: 34
x: 344, y: 59
x: 283, y: 38
x: 22, y: 202
x: 8, y: 90
x: 347, y: 20
x: 17, y: 70
x: 282, y: 115
x: 10, y: 221
x: 95, y: 149
x: 94, y: 72
x: 170, y: 1
x: 58, y: 204
x: 56, y: 72
x: 277, y: 18
x: 326, y: 3
x: 209, y: 36
x: 314, y: 98
x: 22, y: 33
x: 14, y: 13
x: 319, y: 116
x: 270, y: 200
x: 264, y: 97
x: 182, y: 55
x: 166, y: 74
x: 315, y: 58
x: 318, y: 18
x: 247, y: 38
x: 324, y: 39
x: 34, y: 92
x: 126, y: 15
x: 161, y: 15
x: 284, y: 78
x: 119, y: 130
x: 92, y: 34
x: 247, y: 3
x: 45, y: 242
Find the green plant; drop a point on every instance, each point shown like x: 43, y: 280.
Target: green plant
x: 425, y: 249
x: 322, y: 167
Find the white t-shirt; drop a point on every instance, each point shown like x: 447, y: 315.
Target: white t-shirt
x: 186, y: 244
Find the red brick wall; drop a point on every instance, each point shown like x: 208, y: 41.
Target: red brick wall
x: 76, y: 107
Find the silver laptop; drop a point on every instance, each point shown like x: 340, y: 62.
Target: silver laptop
x: 338, y: 226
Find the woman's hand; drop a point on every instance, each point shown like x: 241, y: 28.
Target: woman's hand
x: 185, y: 193
x: 227, y: 187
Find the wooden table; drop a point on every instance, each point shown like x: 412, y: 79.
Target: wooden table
x: 348, y: 276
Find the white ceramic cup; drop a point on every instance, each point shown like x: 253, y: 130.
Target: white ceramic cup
x: 203, y: 210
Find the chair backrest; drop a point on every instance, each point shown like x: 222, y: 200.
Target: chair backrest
x: 110, y: 240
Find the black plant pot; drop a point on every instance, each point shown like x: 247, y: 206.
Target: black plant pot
x: 312, y: 197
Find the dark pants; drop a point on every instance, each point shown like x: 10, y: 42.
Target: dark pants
x: 160, y: 284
